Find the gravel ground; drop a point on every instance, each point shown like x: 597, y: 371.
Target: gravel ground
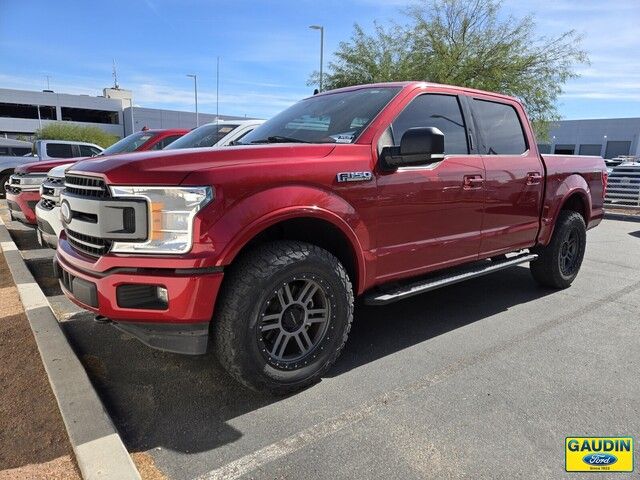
x: 33, y: 439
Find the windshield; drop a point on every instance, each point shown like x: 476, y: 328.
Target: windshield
x: 129, y: 144
x: 334, y: 118
x: 205, y: 136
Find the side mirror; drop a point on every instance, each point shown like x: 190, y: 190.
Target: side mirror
x: 418, y: 146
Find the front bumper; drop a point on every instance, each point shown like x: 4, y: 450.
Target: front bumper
x: 49, y: 225
x: 22, y: 205
x: 181, y: 327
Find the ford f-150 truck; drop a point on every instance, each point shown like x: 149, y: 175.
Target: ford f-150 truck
x: 382, y: 191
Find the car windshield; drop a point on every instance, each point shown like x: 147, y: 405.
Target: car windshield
x: 333, y: 118
x: 129, y: 144
x: 205, y: 136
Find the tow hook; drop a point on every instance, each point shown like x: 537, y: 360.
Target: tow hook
x: 101, y: 319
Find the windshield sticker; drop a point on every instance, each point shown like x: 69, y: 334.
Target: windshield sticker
x: 343, y: 137
x: 226, y: 129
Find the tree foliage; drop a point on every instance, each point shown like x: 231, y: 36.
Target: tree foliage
x: 467, y: 43
x: 75, y: 133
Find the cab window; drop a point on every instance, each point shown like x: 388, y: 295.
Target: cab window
x: 434, y: 110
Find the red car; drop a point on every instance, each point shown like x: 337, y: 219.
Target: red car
x: 381, y: 191
x: 23, y: 187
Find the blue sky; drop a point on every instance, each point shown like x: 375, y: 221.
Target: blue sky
x: 267, y: 50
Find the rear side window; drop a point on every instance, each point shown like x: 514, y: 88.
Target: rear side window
x: 59, y: 150
x: 440, y: 111
x: 500, y: 127
x: 165, y: 141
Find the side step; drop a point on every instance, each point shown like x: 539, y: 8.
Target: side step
x: 396, y: 293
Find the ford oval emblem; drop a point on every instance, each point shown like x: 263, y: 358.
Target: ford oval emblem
x: 599, y: 459
x: 65, y: 211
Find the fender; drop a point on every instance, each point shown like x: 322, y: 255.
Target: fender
x: 252, y: 215
x: 556, y: 196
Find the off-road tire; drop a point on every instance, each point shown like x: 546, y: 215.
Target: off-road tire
x: 547, y: 269
x: 249, y: 285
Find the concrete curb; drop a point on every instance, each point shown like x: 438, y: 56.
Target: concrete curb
x: 621, y: 216
x: 98, y: 448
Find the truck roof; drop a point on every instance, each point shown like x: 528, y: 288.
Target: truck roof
x: 413, y: 84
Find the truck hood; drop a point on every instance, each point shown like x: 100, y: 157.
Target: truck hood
x: 171, y: 167
x: 37, y: 167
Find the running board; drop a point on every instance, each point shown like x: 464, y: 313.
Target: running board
x: 394, y: 294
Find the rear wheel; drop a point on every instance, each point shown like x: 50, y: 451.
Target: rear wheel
x: 284, y: 314
x: 559, y: 262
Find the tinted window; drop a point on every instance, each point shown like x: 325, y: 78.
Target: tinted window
x: 59, y: 150
x: 500, y: 127
x: 130, y: 143
x: 440, y: 111
x: 87, y: 151
x: 20, y: 151
x: 328, y: 118
x: 165, y: 141
x: 204, y: 136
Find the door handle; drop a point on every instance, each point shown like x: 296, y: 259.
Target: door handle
x: 534, y: 178
x: 473, y: 182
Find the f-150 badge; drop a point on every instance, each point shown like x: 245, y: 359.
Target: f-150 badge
x: 354, y: 176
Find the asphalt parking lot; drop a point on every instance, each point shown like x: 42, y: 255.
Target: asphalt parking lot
x: 483, y: 379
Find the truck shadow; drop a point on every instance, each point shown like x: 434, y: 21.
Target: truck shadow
x: 185, y: 403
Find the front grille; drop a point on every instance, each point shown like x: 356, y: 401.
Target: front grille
x: 90, y: 245
x: 47, y: 204
x: 86, y: 186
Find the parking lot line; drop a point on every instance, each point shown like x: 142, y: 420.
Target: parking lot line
x: 255, y: 460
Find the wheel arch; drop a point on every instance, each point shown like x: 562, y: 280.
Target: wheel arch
x: 572, y: 194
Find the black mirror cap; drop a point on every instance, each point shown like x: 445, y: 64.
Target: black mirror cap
x: 421, y: 141
x: 419, y: 146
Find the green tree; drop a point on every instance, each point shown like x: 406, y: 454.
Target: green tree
x: 467, y: 43
x: 75, y: 133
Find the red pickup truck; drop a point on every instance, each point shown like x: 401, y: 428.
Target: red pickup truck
x: 382, y: 191
x: 23, y: 187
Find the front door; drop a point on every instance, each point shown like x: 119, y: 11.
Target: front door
x: 430, y: 216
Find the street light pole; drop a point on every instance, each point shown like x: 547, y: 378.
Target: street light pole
x: 321, y: 28
x: 195, y: 89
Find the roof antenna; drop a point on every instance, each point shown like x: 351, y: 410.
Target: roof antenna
x: 115, y: 76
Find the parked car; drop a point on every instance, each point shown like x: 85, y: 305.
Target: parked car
x: 381, y: 191
x: 24, y: 185
x: 14, y: 148
x: 216, y: 134
x: 45, y: 150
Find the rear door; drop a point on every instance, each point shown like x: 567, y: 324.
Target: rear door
x: 430, y: 216
x: 514, y: 175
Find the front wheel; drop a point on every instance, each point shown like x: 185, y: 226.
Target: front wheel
x: 4, y: 178
x: 283, y: 316
x: 559, y: 262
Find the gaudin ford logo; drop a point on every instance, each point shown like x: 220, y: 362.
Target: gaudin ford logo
x: 599, y: 454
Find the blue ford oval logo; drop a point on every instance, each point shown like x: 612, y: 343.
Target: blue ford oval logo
x: 65, y: 211
x: 599, y: 459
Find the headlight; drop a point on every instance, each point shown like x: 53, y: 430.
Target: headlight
x: 170, y: 213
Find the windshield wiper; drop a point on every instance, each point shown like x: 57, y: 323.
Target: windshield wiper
x: 279, y: 139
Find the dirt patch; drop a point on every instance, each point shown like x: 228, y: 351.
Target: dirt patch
x: 33, y: 439
x: 146, y: 467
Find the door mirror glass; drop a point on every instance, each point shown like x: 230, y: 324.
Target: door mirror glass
x: 418, y: 146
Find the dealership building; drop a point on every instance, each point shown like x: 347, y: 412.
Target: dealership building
x: 22, y: 112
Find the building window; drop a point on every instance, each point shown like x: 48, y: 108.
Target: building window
x: 617, y: 148
x: 591, y: 149
x: 564, y: 149
x: 89, y: 116
x: 17, y: 110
